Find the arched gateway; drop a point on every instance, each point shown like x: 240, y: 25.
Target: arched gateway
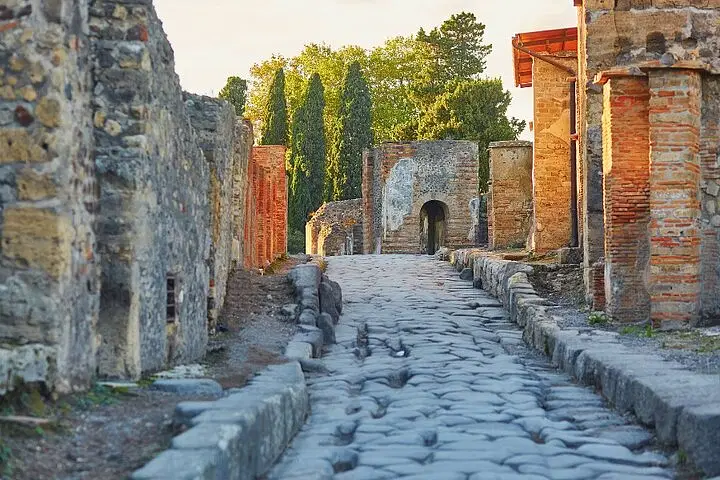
x: 433, y: 217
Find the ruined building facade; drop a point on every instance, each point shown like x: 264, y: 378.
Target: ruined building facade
x: 420, y: 196
x: 336, y: 228
x: 123, y: 199
x: 642, y: 148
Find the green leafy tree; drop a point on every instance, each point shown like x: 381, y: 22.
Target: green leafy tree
x: 235, y: 92
x: 472, y: 110
x: 275, y: 131
x: 354, y: 135
x: 307, y: 155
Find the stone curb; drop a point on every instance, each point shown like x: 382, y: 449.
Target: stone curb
x: 238, y: 437
x: 682, y: 406
x: 320, y: 301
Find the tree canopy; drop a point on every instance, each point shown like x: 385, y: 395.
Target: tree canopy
x: 235, y: 92
x: 276, y: 115
x: 307, y: 155
x: 353, y: 134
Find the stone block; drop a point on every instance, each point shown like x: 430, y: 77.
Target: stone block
x: 36, y: 238
x: 328, y: 303
x: 326, y: 324
x: 193, y: 386
x: 308, y: 317
x: 466, y: 274
x: 298, y: 350
x: 312, y: 335
x: 186, y: 411
x: 699, y: 436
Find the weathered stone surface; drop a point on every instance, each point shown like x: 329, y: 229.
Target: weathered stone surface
x: 240, y: 436
x: 510, y: 199
x: 327, y: 301
x: 326, y: 323
x: 298, y: 350
x: 312, y: 335
x: 660, y: 393
x: 466, y: 274
x: 335, y: 229
x: 49, y: 292
x: 420, y: 386
x: 154, y: 183
x: 422, y: 189
x: 199, y: 386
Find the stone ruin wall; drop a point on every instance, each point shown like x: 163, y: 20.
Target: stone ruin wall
x: 658, y: 37
x: 330, y: 227
x: 214, y: 121
x: 49, y: 277
x: 154, y: 203
x: 510, y: 197
x: 399, y: 178
x: 113, y: 187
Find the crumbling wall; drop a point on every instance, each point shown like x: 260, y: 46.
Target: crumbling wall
x: 154, y: 224
x: 214, y: 122
x: 407, y: 175
x: 510, y: 199
x: 336, y: 229
x: 242, y: 147
x: 49, y: 286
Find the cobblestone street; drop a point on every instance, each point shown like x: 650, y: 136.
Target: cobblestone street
x: 429, y: 380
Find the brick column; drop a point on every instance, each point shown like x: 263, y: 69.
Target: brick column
x: 626, y: 197
x: 367, y: 205
x: 675, y: 102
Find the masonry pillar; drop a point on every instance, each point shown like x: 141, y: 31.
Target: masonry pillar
x: 551, y: 165
x: 626, y: 197
x: 367, y: 199
x: 590, y: 163
x: 510, y: 200
x: 675, y: 104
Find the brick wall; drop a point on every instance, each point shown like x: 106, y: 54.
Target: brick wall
x: 266, y: 221
x: 551, y: 164
x: 48, y: 197
x: 627, y: 201
x: 510, y: 201
x: 645, y: 34
x: 674, y: 115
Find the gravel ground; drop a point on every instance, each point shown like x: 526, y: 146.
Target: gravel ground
x: 563, y: 285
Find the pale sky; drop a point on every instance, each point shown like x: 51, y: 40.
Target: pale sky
x: 214, y: 39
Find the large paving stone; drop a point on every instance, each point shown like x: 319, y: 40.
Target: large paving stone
x: 190, y: 386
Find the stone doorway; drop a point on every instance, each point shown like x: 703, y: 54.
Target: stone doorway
x: 433, y: 216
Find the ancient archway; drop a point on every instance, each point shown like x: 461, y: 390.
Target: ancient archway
x: 433, y: 216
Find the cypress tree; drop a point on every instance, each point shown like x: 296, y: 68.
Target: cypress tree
x: 354, y: 136
x: 276, y: 117
x: 307, y: 155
